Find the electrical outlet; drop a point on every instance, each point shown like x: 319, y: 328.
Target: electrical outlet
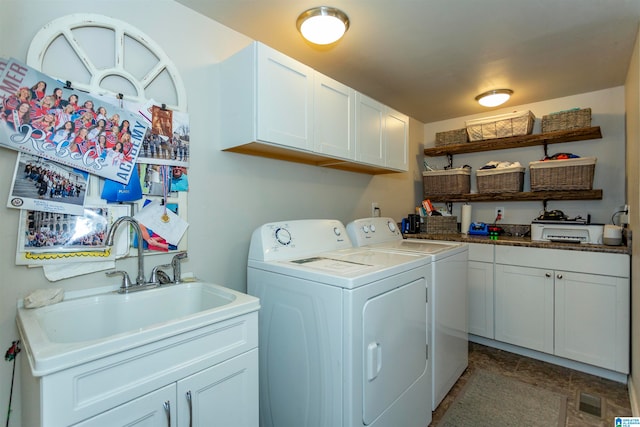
x: 499, y: 216
x: 375, y: 209
x: 624, y: 216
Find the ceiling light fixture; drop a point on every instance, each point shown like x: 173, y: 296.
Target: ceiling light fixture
x: 323, y: 24
x: 493, y: 98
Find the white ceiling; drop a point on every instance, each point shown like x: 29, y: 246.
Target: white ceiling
x: 430, y: 58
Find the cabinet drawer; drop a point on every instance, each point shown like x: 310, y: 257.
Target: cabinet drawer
x: 556, y: 259
x: 481, y: 252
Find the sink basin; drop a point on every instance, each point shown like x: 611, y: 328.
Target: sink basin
x: 88, y: 325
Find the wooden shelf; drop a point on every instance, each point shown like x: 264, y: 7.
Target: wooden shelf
x: 521, y: 196
x: 517, y: 141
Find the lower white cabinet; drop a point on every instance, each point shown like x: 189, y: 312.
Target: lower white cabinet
x: 206, y: 376
x: 223, y: 395
x: 152, y: 409
x: 571, y: 304
x: 480, y: 288
x: 524, y: 307
x: 592, y: 319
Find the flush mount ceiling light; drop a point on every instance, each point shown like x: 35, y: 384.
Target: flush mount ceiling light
x: 493, y: 98
x: 323, y: 24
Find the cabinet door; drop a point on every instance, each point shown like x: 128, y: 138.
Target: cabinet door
x: 480, y: 286
x: 370, y: 121
x: 221, y: 396
x: 524, y: 307
x: 396, y: 140
x: 592, y: 319
x: 284, y: 100
x: 155, y: 409
x: 334, y: 106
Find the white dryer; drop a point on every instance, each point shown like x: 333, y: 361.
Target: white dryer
x: 447, y: 295
x: 342, y: 330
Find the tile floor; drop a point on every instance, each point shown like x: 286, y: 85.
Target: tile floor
x: 615, y: 396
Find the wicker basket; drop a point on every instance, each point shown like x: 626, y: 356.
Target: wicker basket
x: 569, y: 174
x: 439, y: 225
x: 449, y: 181
x: 502, y: 126
x: 565, y: 120
x: 451, y: 137
x: 500, y: 180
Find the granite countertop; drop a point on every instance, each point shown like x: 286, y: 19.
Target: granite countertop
x: 523, y: 241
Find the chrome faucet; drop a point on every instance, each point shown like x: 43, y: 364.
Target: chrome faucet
x: 140, y: 280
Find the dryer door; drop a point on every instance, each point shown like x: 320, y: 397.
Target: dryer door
x: 394, y: 335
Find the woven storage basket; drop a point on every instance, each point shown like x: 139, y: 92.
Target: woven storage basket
x: 451, y: 137
x: 502, y: 126
x: 569, y: 174
x: 502, y: 180
x: 565, y: 120
x: 439, y: 225
x: 449, y: 181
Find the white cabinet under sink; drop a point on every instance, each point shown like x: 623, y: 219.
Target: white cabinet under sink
x: 216, y: 365
x: 274, y: 106
x: 223, y: 395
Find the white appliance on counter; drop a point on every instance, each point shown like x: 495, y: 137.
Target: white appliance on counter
x: 341, y: 329
x: 447, y: 295
x: 567, y: 231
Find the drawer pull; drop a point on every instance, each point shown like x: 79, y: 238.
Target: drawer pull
x: 167, y: 410
x: 188, y: 395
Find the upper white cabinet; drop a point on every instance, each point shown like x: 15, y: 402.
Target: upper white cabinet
x: 396, y: 140
x: 274, y: 106
x: 370, y: 125
x: 284, y: 100
x: 334, y: 118
x: 266, y: 97
x: 382, y: 134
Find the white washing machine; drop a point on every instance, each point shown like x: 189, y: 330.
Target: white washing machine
x: 447, y: 295
x: 342, y: 329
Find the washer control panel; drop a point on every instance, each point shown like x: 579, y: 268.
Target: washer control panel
x: 291, y: 239
x: 368, y: 231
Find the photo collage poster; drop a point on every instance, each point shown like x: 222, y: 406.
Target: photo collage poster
x: 42, y: 117
x: 63, y: 136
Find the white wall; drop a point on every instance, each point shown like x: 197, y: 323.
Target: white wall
x: 230, y: 194
x: 632, y: 99
x: 607, y: 112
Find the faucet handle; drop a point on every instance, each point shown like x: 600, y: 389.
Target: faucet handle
x: 175, y: 263
x: 158, y: 276
x: 126, y: 282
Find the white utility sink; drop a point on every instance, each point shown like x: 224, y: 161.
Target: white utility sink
x: 88, y: 325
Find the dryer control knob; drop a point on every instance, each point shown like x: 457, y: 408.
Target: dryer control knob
x: 337, y: 231
x: 392, y: 226
x: 373, y: 228
x: 283, y: 236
